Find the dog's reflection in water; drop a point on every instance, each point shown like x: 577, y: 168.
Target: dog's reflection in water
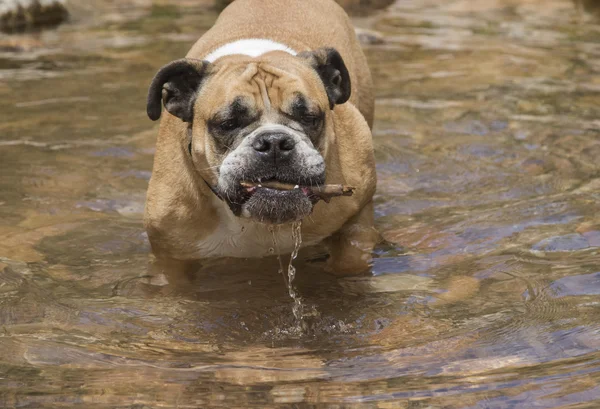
x: 247, y: 301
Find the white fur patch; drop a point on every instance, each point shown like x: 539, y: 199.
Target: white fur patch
x: 243, y: 238
x: 252, y: 47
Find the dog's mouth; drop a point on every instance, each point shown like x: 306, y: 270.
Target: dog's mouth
x: 314, y: 193
x: 276, y: 202
x: 273, y: 201
x: 276, y: 187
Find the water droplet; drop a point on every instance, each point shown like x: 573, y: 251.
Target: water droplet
x: 291, y: 270
x: 297, y: 237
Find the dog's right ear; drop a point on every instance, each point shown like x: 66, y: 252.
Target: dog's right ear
x: 176, y: 85
x: 331, y: 68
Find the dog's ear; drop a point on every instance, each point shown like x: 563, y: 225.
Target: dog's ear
x: 176, y: 85
x: 333, y: 72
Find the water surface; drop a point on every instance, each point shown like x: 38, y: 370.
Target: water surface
x: 485, y: 294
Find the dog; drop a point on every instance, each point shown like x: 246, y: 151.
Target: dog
x: 276, y: 90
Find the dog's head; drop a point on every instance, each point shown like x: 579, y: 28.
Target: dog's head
x: 257, y: 120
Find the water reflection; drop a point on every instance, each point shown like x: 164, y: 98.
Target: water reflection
x: 483, y: 295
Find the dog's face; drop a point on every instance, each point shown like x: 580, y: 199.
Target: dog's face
x: 257, y: 121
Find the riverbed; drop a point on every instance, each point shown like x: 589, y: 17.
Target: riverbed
x: 484, y: 294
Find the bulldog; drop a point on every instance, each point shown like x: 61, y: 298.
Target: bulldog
x: 277, y: 92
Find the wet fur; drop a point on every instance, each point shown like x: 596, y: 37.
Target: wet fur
x: 185, y: 220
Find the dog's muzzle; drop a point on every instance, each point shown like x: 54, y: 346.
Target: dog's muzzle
x: 275, y: 147
x: 272, y: 153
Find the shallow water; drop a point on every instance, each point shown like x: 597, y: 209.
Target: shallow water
x: 486, y: 293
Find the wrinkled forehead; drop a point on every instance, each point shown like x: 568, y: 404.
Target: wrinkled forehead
x: 276, y: 81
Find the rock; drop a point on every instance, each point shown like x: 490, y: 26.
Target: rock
x: 460, y: 288
x: 21, y: 15
x: 221, y: 4
x: 587, y: 226
x: 568, y: 242
x: 593, y: 238
x: 410, y: 330
x: 591, y: 6
x: 369, y: 37
x: 361, y: 6
x: 587, y: 284
x: 593, y: 186
x: 534, y: 166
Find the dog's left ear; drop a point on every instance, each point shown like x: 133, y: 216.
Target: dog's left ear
x: 333, y: 72
x: 176, y: 85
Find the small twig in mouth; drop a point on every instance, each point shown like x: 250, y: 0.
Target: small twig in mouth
x: 324, y: 192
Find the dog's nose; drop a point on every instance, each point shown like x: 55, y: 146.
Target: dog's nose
x: 274, y: 146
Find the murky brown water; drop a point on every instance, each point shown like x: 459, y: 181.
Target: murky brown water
x: 486, y: 294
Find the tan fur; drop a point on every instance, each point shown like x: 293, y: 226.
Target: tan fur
x: 184, y: 219
x: 302, y: 25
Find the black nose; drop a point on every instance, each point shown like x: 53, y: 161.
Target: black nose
x: 274, y: 146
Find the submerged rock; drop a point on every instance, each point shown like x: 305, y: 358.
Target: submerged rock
x: 568, y: 242
x: 21, y: 15
x: 369, y: 37
x: 361, y: 6
x: 591, y: 6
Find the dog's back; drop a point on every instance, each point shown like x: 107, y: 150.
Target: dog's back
x: 300, y: 25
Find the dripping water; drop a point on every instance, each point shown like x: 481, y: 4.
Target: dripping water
x: 291, y: 270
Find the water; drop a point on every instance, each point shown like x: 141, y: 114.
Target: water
x: 484, y: 294
x: 291, y: 270
x: 296, y: 229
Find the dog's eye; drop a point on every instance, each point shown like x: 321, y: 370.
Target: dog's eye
x: 229, y: 124
x: 310, y: 120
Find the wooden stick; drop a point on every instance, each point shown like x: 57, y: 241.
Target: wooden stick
x: 270, y: 185
x: 324, y: 192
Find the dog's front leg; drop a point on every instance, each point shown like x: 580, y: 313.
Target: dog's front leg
x: 352, y: 246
